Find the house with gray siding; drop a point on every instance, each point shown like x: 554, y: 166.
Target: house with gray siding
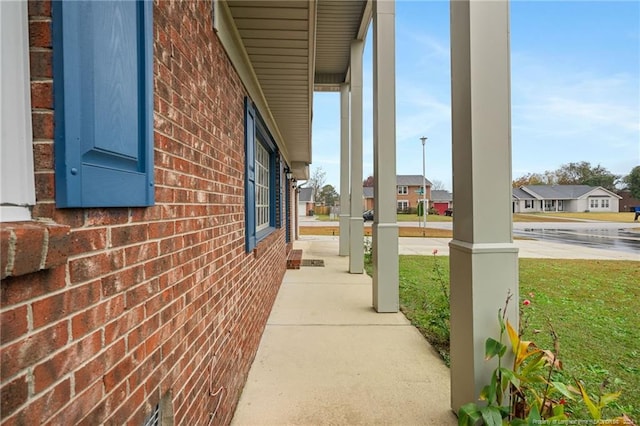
x: 564, y: 198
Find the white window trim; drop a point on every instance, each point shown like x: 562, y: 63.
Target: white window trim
x: 403, y: 190
x: 17, y: 193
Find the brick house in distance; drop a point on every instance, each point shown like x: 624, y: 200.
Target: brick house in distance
x: 147, y: 210
x: 409, y: 191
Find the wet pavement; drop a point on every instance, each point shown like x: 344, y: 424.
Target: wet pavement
x: 620, y: 237
x: 626, y: 240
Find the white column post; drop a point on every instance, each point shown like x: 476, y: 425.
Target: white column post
x: 345, y: 206
x: 385, y: 226
x: 483, y: 258
x: 356, y: 223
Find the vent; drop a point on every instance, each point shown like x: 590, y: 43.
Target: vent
x: 153, y: 419
x: 312, y: 262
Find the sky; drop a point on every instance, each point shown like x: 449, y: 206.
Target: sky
x: 575, y: 90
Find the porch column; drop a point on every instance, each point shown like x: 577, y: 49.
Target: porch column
x: 345, y: 209
x: 385, y: 226
x: 483, y: 258
x: 356, y: 223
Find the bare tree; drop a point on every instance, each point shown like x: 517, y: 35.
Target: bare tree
x: 437, y: 185
x: 318, y: 177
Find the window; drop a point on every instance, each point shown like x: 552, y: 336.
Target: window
x: 403, y: 205
x: 593, y: 203
x: 528, y: 204
x: 549, y: 205
x: 103, y: 101
x: 262, y: 187
x: 604, y: 203
x: 262, y: 179
x: 402, y: 190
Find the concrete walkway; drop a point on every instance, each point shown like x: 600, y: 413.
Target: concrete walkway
x: 327, y: 358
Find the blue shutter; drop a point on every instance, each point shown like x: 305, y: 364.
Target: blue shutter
x: 250, y: 174
x: 103, y: 101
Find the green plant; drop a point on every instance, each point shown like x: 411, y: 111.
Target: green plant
x: 528, y: 393
x: 368, y: 249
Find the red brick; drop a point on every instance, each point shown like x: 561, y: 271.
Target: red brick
x: 95, y: 369
x: 41, y: 64
x: 87, y: 240
x: 58, y: 306
x: 96, y: 317
x: 39, y: 8
x: 40, y: 33
x: 13, y: 395
x: 42, y: 94
x: 121, y: 281
x: 45, y: 186
x: 41, y: 409
x: 26, y: 287
x: 57, y: 246
x: 42, y: 125
x: 25, y: 353
x: 90, y: 267
x: 5, y: 237
x: 43, y: 156
x: 79, y: 406
x: 128, y: 321
x: 28, y: 248
x: 102, y: 217
x: 13, y: 324
x: 125, y: 235
x: 50, y: 371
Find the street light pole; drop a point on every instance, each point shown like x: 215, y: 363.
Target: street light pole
x: 425, y: 206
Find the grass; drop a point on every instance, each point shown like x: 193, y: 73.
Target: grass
x: 592, y: 305
x: 403, y: 231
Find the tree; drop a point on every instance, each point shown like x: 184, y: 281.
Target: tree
x: 632, y: 182
x: 530, y: 179
x: 327, y: 195
x: 437, y: 185
x: 317, y: 180
x: 583, y: 173
x: 368, y: 182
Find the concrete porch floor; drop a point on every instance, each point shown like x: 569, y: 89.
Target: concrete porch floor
x: 327, y: 358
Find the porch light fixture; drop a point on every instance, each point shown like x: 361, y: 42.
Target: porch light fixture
x: 288, y: 174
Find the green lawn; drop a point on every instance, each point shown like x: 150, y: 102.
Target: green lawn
x: 594, y: 306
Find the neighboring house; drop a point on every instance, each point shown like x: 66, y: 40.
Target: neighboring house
x: 564, y: 198
x: 409, y: 191
x: 305, y: 201
x: 146, y: 205
x: 627, y: 202
x: 367, y: 194
x: 441, y: 201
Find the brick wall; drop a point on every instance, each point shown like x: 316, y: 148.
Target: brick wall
x: 145, y: 303
x: 413, y: 197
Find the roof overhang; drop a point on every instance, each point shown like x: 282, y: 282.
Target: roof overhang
x: 294, y: 47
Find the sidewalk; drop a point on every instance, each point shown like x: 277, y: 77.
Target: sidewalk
x: 327, y: 358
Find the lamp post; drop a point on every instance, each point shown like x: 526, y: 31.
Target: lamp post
x: 425, y: 206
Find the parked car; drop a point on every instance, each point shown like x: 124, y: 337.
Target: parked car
x: 368, y: 215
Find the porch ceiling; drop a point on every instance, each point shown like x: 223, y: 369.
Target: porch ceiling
x: 296, y: 46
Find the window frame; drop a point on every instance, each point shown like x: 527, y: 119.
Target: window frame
x: 18, y: 182
x: 403, y: 190
x: 402, y: 205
